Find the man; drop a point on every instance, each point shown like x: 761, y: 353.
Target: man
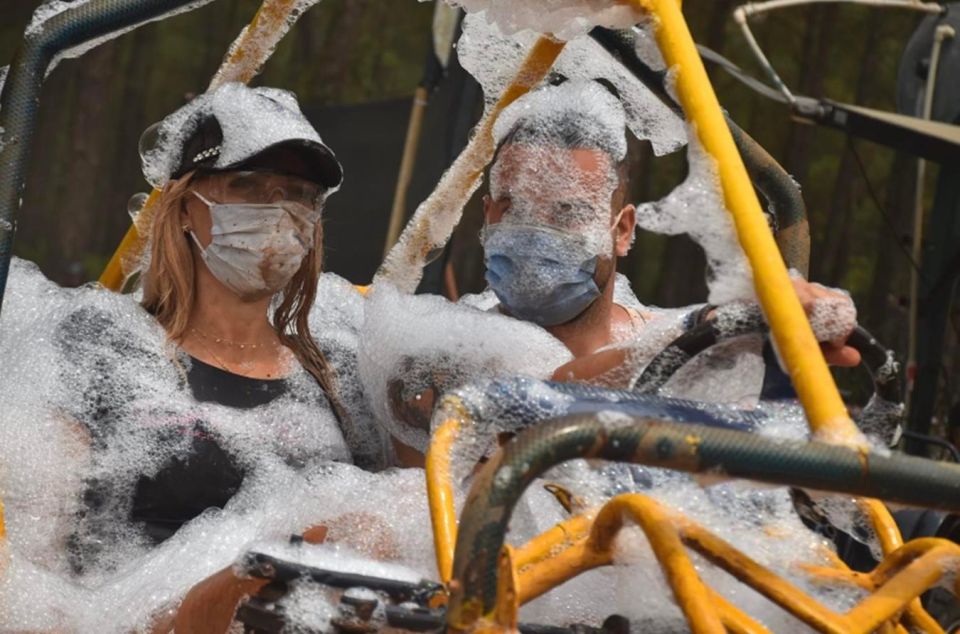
x: 557, y: 218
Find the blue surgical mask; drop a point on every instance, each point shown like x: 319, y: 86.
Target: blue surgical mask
x: 539, y: 274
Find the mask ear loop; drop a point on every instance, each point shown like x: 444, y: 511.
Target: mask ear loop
x: 202, y: 198
x: 616, y: 220
x: 187, y: 229
x: 196, y: 240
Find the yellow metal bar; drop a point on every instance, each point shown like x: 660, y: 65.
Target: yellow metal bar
x: 825, y: 410
x: 825, y: 575
x: 734, y: 619
x: 909, y: 582
x: 905, y: 555
x: 886, y: 528
x: 778, y: 590
x: 577, y: 545
x: 888, y: 534
x: 244, y: 59
x: 508, y: 599
x: 795, y: 340
x: 552, y: 541
x: 919, y: 620
x: 114, y: 275
x: 126, y: 258
x: 570, y: 560
x: 688, y: 589
x: 443, y: 514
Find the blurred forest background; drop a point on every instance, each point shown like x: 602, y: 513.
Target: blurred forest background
x: 355, y: 65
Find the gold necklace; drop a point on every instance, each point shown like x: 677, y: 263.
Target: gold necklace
x: 227, y: 342
x: 220, y: 362
x: 223, y: 364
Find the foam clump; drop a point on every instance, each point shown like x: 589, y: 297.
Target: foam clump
x: 94, y: 400
x: 696, y: 208
x: 832, y: 317
x: 564, y: 19
x: 492, y: 57
x: 336, y: 320
x: 232, y: 104
x: 415, y: 348
x: 599, y: 117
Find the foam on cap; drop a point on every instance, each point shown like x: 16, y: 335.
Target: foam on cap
x: 252, y: 119
x: 492, y: 57
x: 564, y: 19
x: 544, y: 182
x: 598, y: 114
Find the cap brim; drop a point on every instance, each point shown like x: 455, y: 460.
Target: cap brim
x: 304, y: 158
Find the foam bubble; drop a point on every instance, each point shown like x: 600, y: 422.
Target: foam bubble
x: 415, y: 348
x: 696, y: 208
x: 92, y: 392
x: 234, y: 105
x: 565, y: 19
x: 492, y: 57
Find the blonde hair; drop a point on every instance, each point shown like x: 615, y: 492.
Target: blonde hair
x: 168, y: 289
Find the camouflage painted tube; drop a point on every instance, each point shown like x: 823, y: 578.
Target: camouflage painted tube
x: 684, y: 447
x: 20, y: 99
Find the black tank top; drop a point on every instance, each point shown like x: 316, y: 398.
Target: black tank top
x: 206, y: 476
x: 110, y: 373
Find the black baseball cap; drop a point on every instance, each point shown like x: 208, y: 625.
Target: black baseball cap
x: 239, y: 128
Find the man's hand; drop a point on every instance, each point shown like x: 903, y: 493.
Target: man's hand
x: 833, y: 317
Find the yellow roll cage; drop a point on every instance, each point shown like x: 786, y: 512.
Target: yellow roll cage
x: 584, y: 541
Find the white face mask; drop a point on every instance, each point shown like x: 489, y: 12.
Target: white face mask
x: 255, y: 249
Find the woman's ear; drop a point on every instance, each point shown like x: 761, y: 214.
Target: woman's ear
x: 625, y: 228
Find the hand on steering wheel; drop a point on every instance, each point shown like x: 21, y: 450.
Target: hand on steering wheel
x: 818, y: 300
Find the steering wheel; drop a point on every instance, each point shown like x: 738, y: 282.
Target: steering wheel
x: 883, y: 415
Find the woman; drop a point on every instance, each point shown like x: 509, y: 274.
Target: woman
x: 231, y: 275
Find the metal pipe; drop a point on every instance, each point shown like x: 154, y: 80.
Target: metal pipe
x: 784, y: 199
x: 740, y: 17
x: 943, y: 32
x: 754, y: 8
x: 683, y: 447
x: 410, y: 145
x: 19, y: 101
x: 742, y: 14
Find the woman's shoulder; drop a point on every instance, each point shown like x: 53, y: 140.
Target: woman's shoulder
x: 338, y: 306
x: 103, y: 323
